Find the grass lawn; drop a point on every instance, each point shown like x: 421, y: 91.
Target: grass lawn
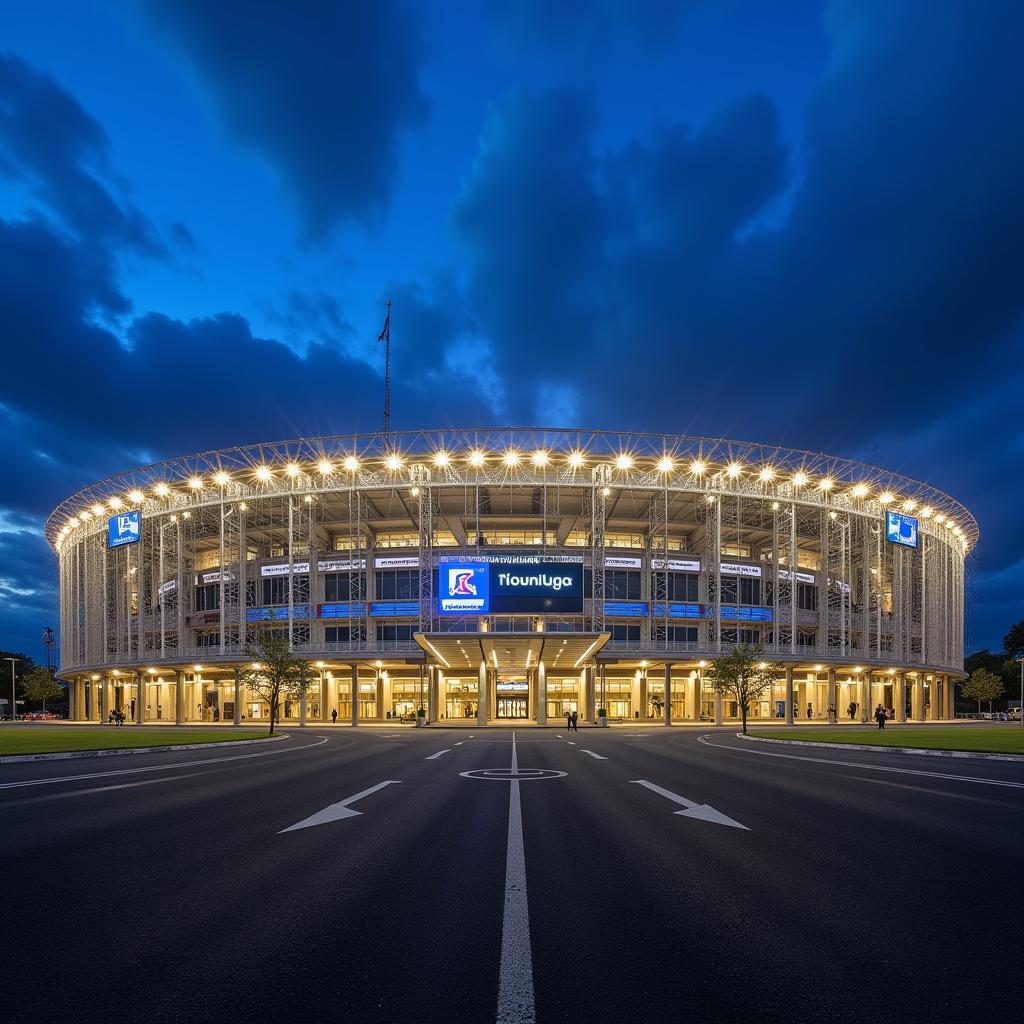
x: 995, y: 739
x: 40, y: 739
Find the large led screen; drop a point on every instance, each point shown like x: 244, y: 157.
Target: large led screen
x: 901, y: 529
x: 508, y: 587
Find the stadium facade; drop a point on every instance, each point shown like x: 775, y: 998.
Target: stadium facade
x: 510, y: 576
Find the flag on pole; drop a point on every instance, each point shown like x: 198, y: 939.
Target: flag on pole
x: 385, y: 334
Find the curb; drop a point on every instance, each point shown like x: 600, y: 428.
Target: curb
x: 66, y: 755
x: 884, y: 750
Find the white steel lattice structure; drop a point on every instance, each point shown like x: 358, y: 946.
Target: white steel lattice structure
x: 689, y: 547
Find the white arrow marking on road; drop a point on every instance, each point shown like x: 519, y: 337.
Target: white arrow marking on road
x: 434, y: 757
x: 599, y: 757
x: 692, y: 808
x: 335, y: 812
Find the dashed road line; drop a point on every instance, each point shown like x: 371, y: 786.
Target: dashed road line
x: 597, y: 757
x: 434, y: 757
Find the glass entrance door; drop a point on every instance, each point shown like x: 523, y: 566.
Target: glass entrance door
x: 513, y: 707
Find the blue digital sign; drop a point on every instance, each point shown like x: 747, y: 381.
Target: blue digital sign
x: 509, y: 586
x: 124, y: 528
x: 393, y: 609
x: 299, y: 611
x: 626, y: 609
x: 345, y: 610
x: 744, y: 613
x: 678, y: 611
x: 901, y: 529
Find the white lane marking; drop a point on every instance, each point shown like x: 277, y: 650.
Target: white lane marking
x: 459, y: 744
x: 571, y: 743
x: 160, y: 767
x: 434, y: 757
x: 558, y: 735
x: 869, y: 767
x: 335, y: 812
x: 692, y: 809
x: 515, y: 981
x: 599, y: 757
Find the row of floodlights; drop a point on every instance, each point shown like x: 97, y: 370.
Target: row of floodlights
x: 394, y: 462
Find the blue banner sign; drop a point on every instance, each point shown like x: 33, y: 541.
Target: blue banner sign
x: 299, y: 611
x: 345, y: 610
x: 393, y: 609
x: 626, y: 609
x: 901, y: 529
x: 124, y: 528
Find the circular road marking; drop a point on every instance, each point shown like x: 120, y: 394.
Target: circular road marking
x: 507, y: 775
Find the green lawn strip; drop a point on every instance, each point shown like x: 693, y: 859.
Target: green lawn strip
x: 986, y: 740
x: 35, y: 739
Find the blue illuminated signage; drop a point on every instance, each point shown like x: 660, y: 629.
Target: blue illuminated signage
x: 299, y: 611
x: 393, y: 609
x: 901, y: 529
x: 626, y: 609
x: 124, y: 528
x: 510, y: 586
x: 678, y: 611
x: 345, y: 610
x: 743, y: 613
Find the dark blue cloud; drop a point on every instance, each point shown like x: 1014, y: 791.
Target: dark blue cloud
x: 321, y: 90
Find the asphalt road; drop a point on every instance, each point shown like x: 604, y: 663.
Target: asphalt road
x: 161, y: 887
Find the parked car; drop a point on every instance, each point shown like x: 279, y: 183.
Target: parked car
x: 1014, y: 714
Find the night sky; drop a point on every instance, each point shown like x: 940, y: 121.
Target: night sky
x: 796, y: 223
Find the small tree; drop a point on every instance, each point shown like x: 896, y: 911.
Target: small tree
x: 743, y: 674
x: 983, y: 685
x: 38, y: 684
x: 275, y: 672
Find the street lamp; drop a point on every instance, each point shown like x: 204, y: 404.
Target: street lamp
x: 1021, y: 660
x: 14, y: 705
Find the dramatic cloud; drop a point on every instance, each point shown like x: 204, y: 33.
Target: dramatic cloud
x: 322, y: 90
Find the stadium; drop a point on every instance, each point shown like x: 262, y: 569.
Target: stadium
x: 510, y: 576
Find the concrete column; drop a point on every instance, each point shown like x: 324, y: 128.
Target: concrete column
x: 331, y: 700
x: 140, y: 699
x: 303, y: 703
x: 382, y: 709
x: 73, y: 699
x: 642, y: 698
x: 935, y: 695
x: 542, y: 694
x: 719, y: 710
x: 789, y: 695
x: 422, y: 698
x: 668, y: 694
x: 482, y: 695
x: 830, y: 701
x: 949, y: 702
x: 917, y: 698
x: 901, y: 697
x: 866, y: 707
x: 108, y: 695
x: 237, y: 717
x: 355, y: 693
x: 179, y: 698
x: 693, y: 697
x: 591, y: 706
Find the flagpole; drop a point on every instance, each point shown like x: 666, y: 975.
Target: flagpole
x: 385, y: 336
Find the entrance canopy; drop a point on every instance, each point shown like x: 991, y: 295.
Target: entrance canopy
x: 512, y: 652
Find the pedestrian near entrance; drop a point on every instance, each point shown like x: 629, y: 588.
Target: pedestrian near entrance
x: 880, y: 716
x: 810, y: 711
x: 574, y: 721
x: 851, y: 710
x: 334, y: 716
x: 568, y: 721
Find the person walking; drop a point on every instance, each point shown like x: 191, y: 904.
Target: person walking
x: 334, y: 716
x: 568, y: 721
x: 810, y: 711
x: 851, y: 710
x: 880, y: 716
x: 574, y: 720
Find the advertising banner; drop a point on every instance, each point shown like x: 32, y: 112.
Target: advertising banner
x: 529, y: 586
x: 124, y: 528
x: 901, y: 529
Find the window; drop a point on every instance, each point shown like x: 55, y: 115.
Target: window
x: 740, y: 590
x: 336, y: 634
x: 736, y: 550
x: 402, y: 585
x: 207, y: 559
x: 343, y: 586
x: 207, y: 597
x: 342, y: 543
x: 407, y: 539
x: 445, y: 539
x: 625, y: 540
x: 807, y: 597
x: 682, y: 634
x: 208, y: 639
x: 274, y: 590
x: 625, y: 633
x: 396, y: 632
x: 501, y: 538
x: 682, y: 586
x: 806, y: 638
x: 621, y: 585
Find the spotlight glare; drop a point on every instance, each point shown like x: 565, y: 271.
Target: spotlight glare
x: 665, y: 464
x: 511, y: 457
x: 476, y: 458
x: 539, y: 458
x: 351, y: 463
x: 697, y: 467
x: 623, y: 461
x: 292, y: 469
x: 766, y: 475
x: 859, y: 490
x: 195, y: 483
x: 325, y: 467
x: 442, y: 459
x: 393, y: 462
x: 161, y: 490
x: 263, y: 474
x: 799, y: 478
x: 136, y: 496
x: 576, y: 460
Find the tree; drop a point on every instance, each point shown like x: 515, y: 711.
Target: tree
x: 275, y: 673
x: 983, y: 685
x: 38, y: 684
x: 1013, y: 642
x: 742, y: 674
